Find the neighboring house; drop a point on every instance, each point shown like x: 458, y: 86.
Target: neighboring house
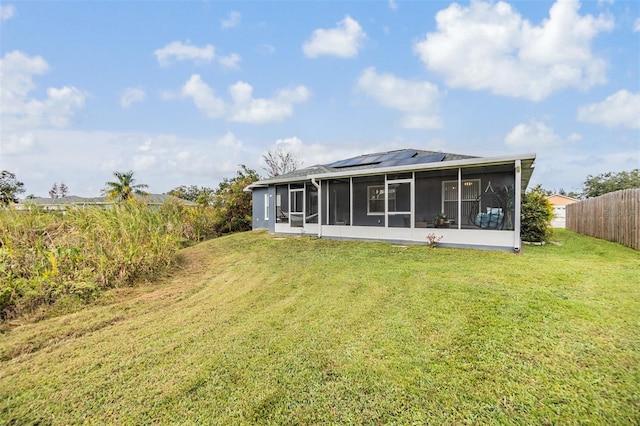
x: 400, y: 195
x: 74, y: 201
x: 560, y: 203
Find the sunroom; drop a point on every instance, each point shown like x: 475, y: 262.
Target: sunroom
x: 401, y: 196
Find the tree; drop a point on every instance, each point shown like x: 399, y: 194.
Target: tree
x: 233, y: 203
x: 280, y: 161
x: 63, y: 190
x: 206, y: 197
x: 536, y: 215
x: 193, y: 193
x: 53, y: 192
x: 10, y: 187
x: 124, y: 188
x: 604, y: 183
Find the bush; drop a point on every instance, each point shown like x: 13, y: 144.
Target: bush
x: 536, y: 217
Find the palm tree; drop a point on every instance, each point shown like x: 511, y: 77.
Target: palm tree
x: 124, y: 189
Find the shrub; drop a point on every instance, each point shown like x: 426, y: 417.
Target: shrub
x: 536, y: 216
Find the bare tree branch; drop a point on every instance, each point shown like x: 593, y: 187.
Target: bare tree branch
x: 279, y: 162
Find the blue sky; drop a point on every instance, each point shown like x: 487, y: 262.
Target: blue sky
x: 183, y: 92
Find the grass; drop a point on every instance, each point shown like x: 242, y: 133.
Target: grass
x: 256, y: 330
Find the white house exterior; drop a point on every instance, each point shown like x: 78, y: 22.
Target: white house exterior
x: 559, y: 204
x: 400, y: 196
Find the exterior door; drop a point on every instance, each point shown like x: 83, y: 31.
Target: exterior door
x: 296, y: 208
x: 399, y: 203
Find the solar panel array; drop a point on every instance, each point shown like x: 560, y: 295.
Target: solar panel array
x: 366, y: 160
x: 390, y: 159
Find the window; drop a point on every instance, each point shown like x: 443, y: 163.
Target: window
x: 266, y: 206
x: 375, y: 197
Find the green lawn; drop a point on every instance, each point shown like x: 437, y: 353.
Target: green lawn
x: 253, y: 329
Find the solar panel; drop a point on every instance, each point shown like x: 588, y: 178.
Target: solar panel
x: 425, y: 159
x: 338, y: 164
x: 368, y: 159
x: 404, y: 155
x: 356, y: 161
x: 412, y: 160
x: 364, y: 160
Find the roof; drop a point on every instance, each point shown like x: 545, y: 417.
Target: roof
x: 561, y: 199
x: 395, y: 161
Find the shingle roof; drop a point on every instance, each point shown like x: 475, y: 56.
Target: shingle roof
x: 401, y: 160
x: 369, y: 161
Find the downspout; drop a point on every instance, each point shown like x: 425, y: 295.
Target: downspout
x: 517, y: 243
x: 317, y: 185
x: 459, y: 198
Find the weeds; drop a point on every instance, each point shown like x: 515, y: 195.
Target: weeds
x: 49, y: 258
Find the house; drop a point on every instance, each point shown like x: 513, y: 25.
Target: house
x: 559, y: 204
x: 400, y: 196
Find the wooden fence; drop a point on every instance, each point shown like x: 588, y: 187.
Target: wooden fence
x: 612, y: 217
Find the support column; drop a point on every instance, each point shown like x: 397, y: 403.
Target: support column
x: 517, y: 243
x: 459, y: 198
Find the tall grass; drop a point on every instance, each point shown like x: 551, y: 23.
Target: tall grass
x: 61, y: 258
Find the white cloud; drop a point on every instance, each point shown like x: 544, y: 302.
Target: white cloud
x: 204, y: 97
x: 574, y: 137
x: 131, y: 95
x: 243, y: 107
x: 536, y: 135
x: 313, y: 153
x: 229, y: 141
x: 489, y: 46
x: 146, y: 146
x: 178, y: 51
x: 17, y: 143
x: 7, y: 11
x: 232, y: 20
x: 622, y: 109
x: 247, y: 109
x: 18, y: 109
x: 183, y: 155
x: 230, y: 61
x: 293, y: 144
x: 17, y: 70
x: 417, y: 99
x: 393, y: 5
x: 344, y: 41
x: 636, y: 26
x: 266, y: 49
x: 143, y: 163
x: 62, y: 104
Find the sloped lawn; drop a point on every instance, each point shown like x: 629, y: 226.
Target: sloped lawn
x: 253, y: 329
